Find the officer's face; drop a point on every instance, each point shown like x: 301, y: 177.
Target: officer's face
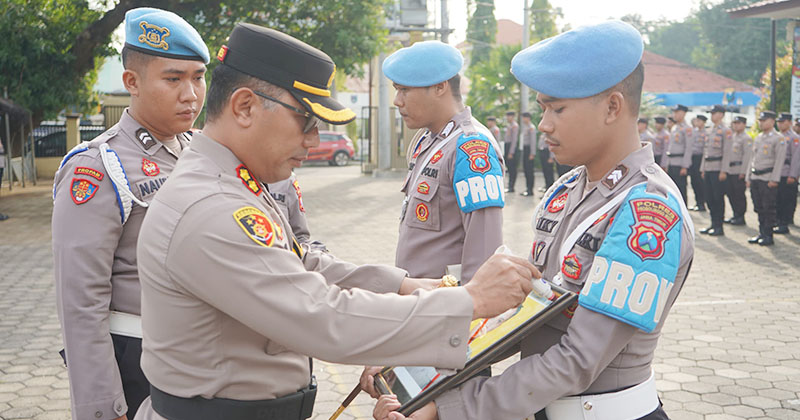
x: 169, y: 95
x: 738, y: 126
x: 642, y: 126
x: 659, y: 126
x: 716, y: 117
x: 784, y: 125
x: 678, y: 115
x: 414, y: 104
x: 766, y: 124
x: 796, y: 128
x: 570, y: 128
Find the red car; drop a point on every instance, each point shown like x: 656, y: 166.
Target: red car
x: 336, y: 148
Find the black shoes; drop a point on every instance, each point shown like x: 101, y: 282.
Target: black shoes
x: 755, y: 239
x: 509, y: 190
x: 706, y: 230
x: 698, y: 208
x: 782, y: 230
x: 712, y: 231
x: 736, y: 221
x: 3, y: 217
x: 766, y: 241
x: 526, y: 194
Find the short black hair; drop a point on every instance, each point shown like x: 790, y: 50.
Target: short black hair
x: 134, y: 60
x: 225, y: 80
x: 491, y: 119
x: 512, y: 113
x: 631, y: 89
x: 455, y: 87
x: 526, y: 114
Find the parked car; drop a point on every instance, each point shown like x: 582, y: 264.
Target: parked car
x: 53, y: 140
x: 336, y: 148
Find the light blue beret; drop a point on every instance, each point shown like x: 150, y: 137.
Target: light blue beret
x: 159, y: 32
x: 582, y: 62
x: 425, y: 63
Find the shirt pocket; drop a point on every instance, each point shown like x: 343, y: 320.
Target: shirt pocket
x: 423, y: 206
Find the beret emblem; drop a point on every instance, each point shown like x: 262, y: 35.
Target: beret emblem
x: 153, y: 35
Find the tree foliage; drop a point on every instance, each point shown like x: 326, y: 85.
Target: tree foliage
x: 481, y: 30
x: 783, y: 85
x: 494, y: 89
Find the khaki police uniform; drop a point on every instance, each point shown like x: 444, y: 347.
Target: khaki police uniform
x: 660, y: 145
x: 232, y: 307
x: 679, y: 155
x: 510, y: 144
x: 647, y: 136
x: 289, y: 198
x: 698, y: 145
x: 787, y: 193
x: 101, y: 192
x: 717, y: 158
x: 545, y: 157
x: 453, y: 212
x: 741, y: 153
x: 528, y: 150
x: 769, y: 154
x: 641, y: 242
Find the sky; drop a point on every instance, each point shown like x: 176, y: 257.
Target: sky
x: 576, y: 12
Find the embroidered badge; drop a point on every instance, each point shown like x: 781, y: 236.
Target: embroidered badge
x: 247, y: 179
x: 557, y: 204
x: 478, y: 152
x: 154, y: 35
x: 147, y: 140
x: 571, y: 267
x: 448, y: 128
x: 256, y: 225
x: 600, y: 219
x: 570, y: 311
x: 422, y: 212
x: 539, y: 248
x: 278, y: 231
x: 150, y: 168
x: 546, y: 225
x: 223, y: 51
x: 296, y: 186
x: 436, y: 156
x: 82, y: 170
x: 423, y: 188
x: 615, y: 176
x: 652, y: 220
x: 82, y: 190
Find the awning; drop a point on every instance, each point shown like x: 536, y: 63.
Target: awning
x: 707, y: 98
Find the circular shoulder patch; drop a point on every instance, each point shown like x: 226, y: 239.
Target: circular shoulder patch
x: 256, y: 225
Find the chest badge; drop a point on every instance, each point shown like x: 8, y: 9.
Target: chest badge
x: 150, y: 168
x: 652, y: 220
x: 248, y: 180
x: 557, y: 204
x: 571, y: 267
x: 256, y: 225
x: 82, y: 190
x: 436, y: 156
x: 538, y: 248
x: 422, y: 212
x: 423, y: 188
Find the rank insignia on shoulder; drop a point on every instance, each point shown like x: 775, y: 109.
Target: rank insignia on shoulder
x: 150, y: 168
x: 256, y: 225
x: 652, y: 221
x: 248, y: 180
x: 296, y: 186
x: 615, y: 176
x: 82, y: 190
x: 558, y: 203
x: 571, y: 267
x: 423, y: 188
x: 436, y: 156
x: 422, y: 212
x: 147, y: 140
x: 94, y: 173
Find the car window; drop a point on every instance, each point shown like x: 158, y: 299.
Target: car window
x: 328, y: 137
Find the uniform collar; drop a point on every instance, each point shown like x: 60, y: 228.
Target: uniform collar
x: 622, y: 173
x: 216, y: 152
x: 139, y: 135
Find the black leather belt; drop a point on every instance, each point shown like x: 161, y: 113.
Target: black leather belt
x: 674, y: 154
x: 737, y: 163
x: 755, y: 171
x: 297, y: 406
x: 712, y: 158
x: 787, y: 161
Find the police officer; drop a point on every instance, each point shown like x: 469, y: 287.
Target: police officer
x: 715, y: 167
x: 700, y: 135
x: 231, y: 304
x: 645, y: 135
x: 787, y: 187
x: 528, y: 152
x: 491, y: 124
x: 662, y: 138
x: 452, y: 213
x: 764, y: 174
x: 796, y: 126
x: 510, y: 139
x: 679, y: 150
x: 741, y: 153
x: 546, y: 160
x: 595, y: 362
x: 101, y: 193
x: 289, y: 198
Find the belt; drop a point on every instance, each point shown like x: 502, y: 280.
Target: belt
x: 297, y: 406
x: 737, y: 163
x: 755, y: 171
x: 628, y: 404
x: 129, y: 325
x: 787, y: 162
x: 674, y: 154
x: 712, y: 158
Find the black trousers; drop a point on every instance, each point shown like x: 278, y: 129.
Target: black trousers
x: 527, y: 167
x: 511, y: 165
x: 658, y: 414
x: 735, y: 191
x: 715, y: 197
x: 657, y: 159
x: 674, y: 172
x: 547, y: 168
x: 697, y: 181
x: 764, y: 199
x: 562, y: 169
x: 128, y: 352
x: 1, y: 173
x: 786, y: 202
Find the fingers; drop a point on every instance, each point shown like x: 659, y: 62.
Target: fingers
x: 367, y: 380
x: 385, y: 405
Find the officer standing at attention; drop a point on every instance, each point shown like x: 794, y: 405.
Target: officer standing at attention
x: 101, y: 193
x: 662, y: 138
x: 645, y: 135
x: 679, y: 149
x: 700, y: 135
x: 546, y: 160
x: 715, y: 167
x: 764, y: 174
x: 510, y: 138
x: 787, y: 188
x: 596, y: 362
x: 741, y: 153
x: 453, y: 208
x: 528, y: 152
x: 231, y: 304
x: 491, y: 124
x: 289, y: 198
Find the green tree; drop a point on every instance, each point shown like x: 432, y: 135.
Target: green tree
x: 783, y: 86
x: 543, y: 20
x: 494, y: 89
x: 481, y: 30
x: 676, y: 40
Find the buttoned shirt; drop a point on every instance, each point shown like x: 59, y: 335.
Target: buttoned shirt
x: 679, y: 150
x: 791, y: 165
x: 511, y: 136
x: 718, y: 149
x: 529, y: 138
x: 660, y: 145
x: 741, y: 153
x: 699, y: 141
x: 769, y: 154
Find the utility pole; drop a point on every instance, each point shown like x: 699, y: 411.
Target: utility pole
x: 445, y: 22
x: 524, y: 92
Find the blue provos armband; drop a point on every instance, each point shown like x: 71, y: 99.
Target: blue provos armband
x: 634, y: 270
x: 478, y: 177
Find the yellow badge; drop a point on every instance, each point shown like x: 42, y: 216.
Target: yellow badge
x: 154, y: 35
x: 256, y: 225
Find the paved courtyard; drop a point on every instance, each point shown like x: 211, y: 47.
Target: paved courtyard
x: 730, y: 348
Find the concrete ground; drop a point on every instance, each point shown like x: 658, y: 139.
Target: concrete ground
x: 730, y: 348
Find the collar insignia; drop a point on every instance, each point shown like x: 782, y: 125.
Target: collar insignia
x: 248, y: 180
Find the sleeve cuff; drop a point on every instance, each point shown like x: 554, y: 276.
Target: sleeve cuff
x: 450, y: 405
x: 102, y: 410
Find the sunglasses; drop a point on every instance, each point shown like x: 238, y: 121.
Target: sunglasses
x: 311, y: 120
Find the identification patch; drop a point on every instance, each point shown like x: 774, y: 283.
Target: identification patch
x: 423, y: 188
x: 558, y: 203
x: 436, y: 156
x: 422, y: 212
x: 94, y: 173
x: 571, y: 267
x: 296, y: 186
x: 150, y: 168
x: 652, y: 220
x: 147, y: 140
x: 82, y: 190
x: 256, y: 225
x: 546, y: 225
x: 478, y: 175
x: 477, y: 154
x: 248, y: 180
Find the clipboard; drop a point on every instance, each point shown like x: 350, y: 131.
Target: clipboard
x: 416, y: 386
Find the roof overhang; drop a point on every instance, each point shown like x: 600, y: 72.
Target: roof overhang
x: 770, y: 9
